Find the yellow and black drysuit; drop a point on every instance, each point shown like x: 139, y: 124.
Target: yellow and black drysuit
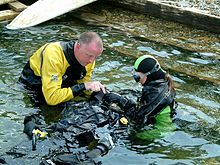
x: 54, y: 71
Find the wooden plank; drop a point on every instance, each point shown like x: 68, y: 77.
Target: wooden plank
x: 17, y: 6
x: 7, y: 14
x: 2, y: 2
x: 190, y: 16
x: 44, y: 10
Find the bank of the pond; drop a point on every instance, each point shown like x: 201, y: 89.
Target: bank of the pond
x: 199, y: 14
x: 203, y: 44
x: 202, y: 15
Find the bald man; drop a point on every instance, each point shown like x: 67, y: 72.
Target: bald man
x: 61, y: 71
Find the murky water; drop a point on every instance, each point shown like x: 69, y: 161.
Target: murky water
x: 196, y: 137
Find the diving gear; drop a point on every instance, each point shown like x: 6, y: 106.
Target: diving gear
x: 52, y: 70
x: 153, y: 70
x: 121, y: 101
x: 136, y: 77
x: 145, y: 64
x: 76, y: 89
x: 123, y: 121
x: 36, y: 134
x: 78, y: 158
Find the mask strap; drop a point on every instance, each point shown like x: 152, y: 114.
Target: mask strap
x: 155, y: 69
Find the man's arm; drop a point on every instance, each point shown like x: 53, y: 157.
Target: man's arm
x: 53, y: 68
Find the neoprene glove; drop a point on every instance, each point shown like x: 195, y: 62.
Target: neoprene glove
x: 127, y: 105
x: 77, y: 89
x: 115, y: 98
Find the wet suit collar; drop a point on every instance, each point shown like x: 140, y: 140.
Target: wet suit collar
x: 75, y: 71
x: 68, y: 49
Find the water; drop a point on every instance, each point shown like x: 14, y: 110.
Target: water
x: 196, y: 137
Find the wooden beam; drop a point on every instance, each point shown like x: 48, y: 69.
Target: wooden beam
x: 17, y: 6
x: 2, y: 2
x: 194, y: 17
x: 7, y: 14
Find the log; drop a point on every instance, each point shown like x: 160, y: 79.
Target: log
x: 190, y: 16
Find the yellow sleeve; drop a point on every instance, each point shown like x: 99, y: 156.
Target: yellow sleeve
x: 53, y: 68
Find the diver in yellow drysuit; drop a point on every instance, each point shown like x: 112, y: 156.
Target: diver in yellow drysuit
x: 59, y: 71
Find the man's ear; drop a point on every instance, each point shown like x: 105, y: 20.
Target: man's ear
x: 78, y: 45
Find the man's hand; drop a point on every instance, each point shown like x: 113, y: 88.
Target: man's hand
x: 95, y: 86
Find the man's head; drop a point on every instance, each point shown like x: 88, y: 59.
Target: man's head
x: 145, y: 67
x: 88, y: 47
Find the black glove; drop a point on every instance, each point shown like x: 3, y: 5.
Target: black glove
x: 96, y: 98
x: 78, y: 88
x: 115, y: 98
x: 127, y: 105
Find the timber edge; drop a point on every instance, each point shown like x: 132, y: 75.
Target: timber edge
x: 10, y: 9
x: 189, y: 16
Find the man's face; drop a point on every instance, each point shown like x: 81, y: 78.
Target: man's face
x: 86, y: 54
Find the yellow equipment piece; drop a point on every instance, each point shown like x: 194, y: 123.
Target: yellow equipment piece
x: 39, y: 133
x: 123, y: 121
